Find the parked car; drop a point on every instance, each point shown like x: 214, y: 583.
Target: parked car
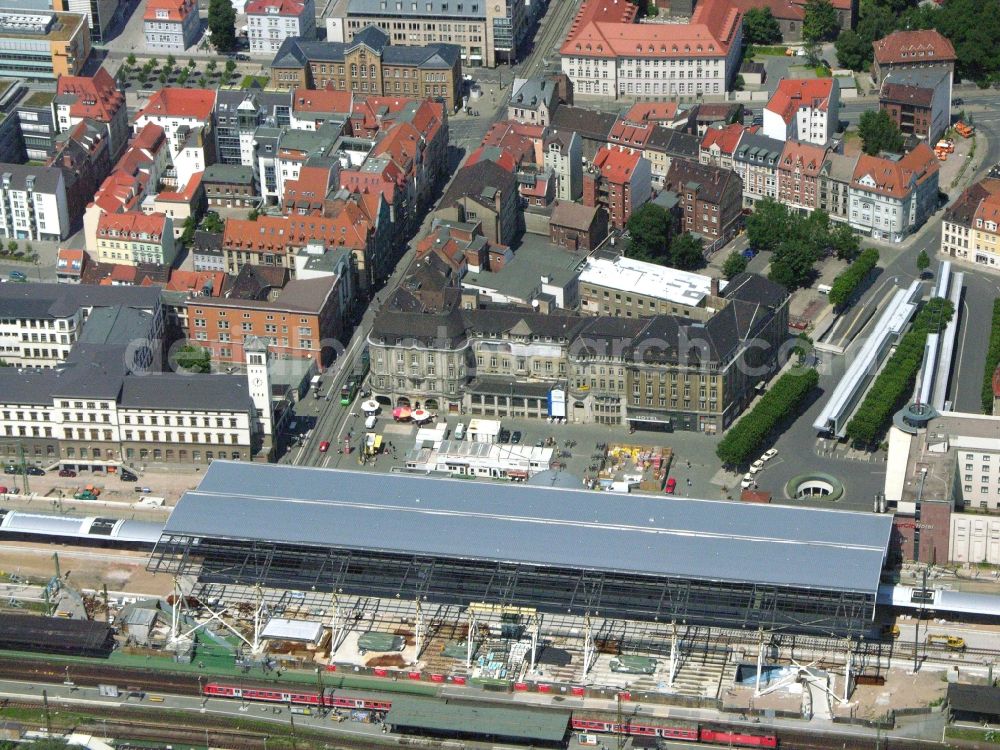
x: 504, y: 436
x: 769, y: 454
x: 128, y: 476
x: 18, y: 276
x: 35, y: 471
x: 11, y: 469
x: 67, y: 473
x: 324, y: 446
x: 749, y: 253
x: 747, y: 481
x: 671, y: 486
x: 756, y: 466
x: 370, y: 421
x: 3, y: 490
x: 515, y: 437
x: 242, y: 57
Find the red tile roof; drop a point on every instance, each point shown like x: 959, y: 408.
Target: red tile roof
x: 177, y: 10
x: 894, y: 178
x: 807, y: 157
x: 309, y: 190
x: 652, y: 111
x: 69, y: 261
x: 196, y: 104
x: 96, y: 97
x: 350, y: 227
x: 187, y: 194
x: 197, y: 281
x: 727, y: 138
x: 275, y: 8
x: 602, y: 30
x: 322, y: 101
x: 504, y: 159
x: 616, y: 164
x: 924, y: 46
x: 626, y: 132
x: 131, y: 224
x: 793, y: 93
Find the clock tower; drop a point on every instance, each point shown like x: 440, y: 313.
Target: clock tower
x: 259, y: 382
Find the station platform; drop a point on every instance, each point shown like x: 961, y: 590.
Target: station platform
x: 938, y: 599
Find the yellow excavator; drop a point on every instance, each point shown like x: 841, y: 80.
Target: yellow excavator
x: 950, y: 642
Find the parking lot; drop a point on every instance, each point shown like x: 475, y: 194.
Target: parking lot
x: 575, y: 446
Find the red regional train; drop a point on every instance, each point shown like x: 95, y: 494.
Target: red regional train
x: 582, y: 722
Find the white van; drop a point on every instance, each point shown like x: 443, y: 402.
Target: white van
x: 824, y: 289
x: 459, y: 431
x: 370, y: 421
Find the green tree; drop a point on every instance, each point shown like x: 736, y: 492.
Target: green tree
x: 767, y: 224
x: 652, y: 11
x: 230, y: 65
x: 735, y: 264
x: 894, y: 384
x: 222, y: 24
x: 821, y: 23
x: 11, y: 246
x: 130, y: 60
x: 143, y: 77
x: 163, y: 78
x: 744, y: 439
x: 194, y: 359
x: 879, y: 133
x: 212, y: 223
x: 212, y: 65
x: 686, y: 252
x: 992, y: 359
x: 847, y: 283
x: 650, y: 228
x: 760, y: 26
x: 192, y: 64
x: 973, y: 27
x: 844, y: 242
x: 171, y: 62
x: 923, y: 262
x: 252, y: 214
x: 853, y: 52
x: 152, y: 63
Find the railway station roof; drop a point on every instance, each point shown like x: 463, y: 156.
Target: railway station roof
x: 545, y: 526
x: 512, y: 724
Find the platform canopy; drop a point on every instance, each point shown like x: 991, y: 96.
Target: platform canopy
x: 544, y: 526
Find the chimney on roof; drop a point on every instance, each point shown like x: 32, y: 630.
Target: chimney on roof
x: 714, y: 287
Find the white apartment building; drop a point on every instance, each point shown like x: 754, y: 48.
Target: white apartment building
x: 608, y: 55
x: 33, y: 203
x: 178, y: 112
x: 756, y: 162
x: 271, y: 22
x: 970, y: 229
x: 803, y: 109
x: 889, y: 197
x: 40, y: 323
x: 563, y: 154
x: 171, y: 24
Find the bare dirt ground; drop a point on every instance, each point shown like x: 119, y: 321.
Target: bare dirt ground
x: 83, y: 568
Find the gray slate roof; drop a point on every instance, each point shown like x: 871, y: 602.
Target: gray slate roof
x: 698, y: 539
x: 174, y: 390
x: 33, y: 300
x: 297, y: 53
x: 232, y: 174
x: 46, y: 179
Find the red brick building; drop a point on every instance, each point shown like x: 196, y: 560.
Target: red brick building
x: 619, y: 180
x: 577, y: 227
x: 798, y: 174
x: 710, y: 199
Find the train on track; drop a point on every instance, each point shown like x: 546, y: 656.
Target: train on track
x: 581, y: 722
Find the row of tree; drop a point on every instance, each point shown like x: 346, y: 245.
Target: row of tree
x: 992, y: 359
x: 893, y: 386
x: 744, y: 439
x: 972, y: 26
x: 847, y: 283
x: 654, y: 238
x: 797, y: 241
